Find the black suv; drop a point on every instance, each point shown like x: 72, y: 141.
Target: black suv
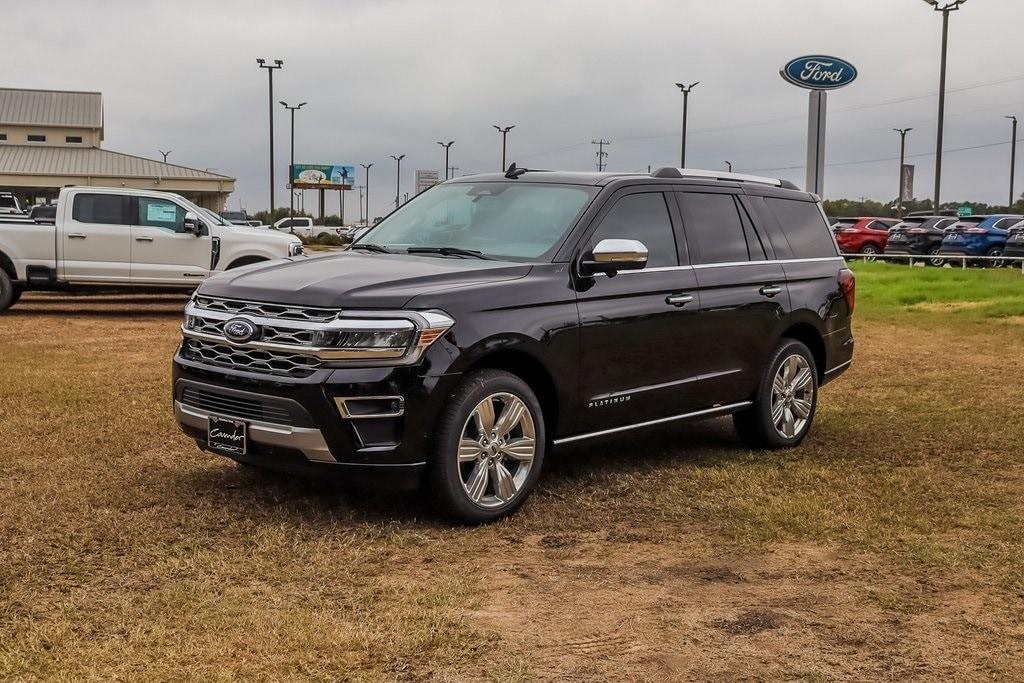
x: 921, y: 235
x: 496, y: 316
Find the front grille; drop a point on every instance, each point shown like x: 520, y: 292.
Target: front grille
x: 278, y: 335
x: 255, y: 360
x: 282, y: 311
x: 235, y: 406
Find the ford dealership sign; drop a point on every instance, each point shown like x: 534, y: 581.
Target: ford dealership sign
x: 819, y: 72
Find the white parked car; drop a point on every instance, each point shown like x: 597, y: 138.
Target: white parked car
x: 128, y: 238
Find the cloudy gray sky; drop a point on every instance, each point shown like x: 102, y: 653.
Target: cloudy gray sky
x: 394, y: 77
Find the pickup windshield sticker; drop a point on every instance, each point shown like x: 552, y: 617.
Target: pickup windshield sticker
x: 161, y: 213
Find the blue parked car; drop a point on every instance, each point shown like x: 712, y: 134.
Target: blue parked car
x: 978, y: 236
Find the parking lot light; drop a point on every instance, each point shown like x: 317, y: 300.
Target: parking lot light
x: 1013, y: 156
x: 685, y: 89
x: 366, y: 167
x: 945, y: 8
x: 398, y: 178
x: 504, y: 135
x: 291, y: 165
x: 447, y: 146
x: 270, y: 81
x: 903, y: 149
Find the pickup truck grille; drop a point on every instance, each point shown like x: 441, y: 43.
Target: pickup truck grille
x: 266, y: 310
x: 254, y: 360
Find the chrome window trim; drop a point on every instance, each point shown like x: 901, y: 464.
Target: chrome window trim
x: 705, y: 266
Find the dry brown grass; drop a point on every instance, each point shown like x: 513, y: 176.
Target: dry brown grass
x: 889, y: 546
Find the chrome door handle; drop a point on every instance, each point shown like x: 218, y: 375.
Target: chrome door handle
x: 678, y: 300
x: 770, y: 290
x: 76, y: 236
x: 143, y: 239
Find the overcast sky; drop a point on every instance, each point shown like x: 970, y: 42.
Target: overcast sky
x: 394, y: 77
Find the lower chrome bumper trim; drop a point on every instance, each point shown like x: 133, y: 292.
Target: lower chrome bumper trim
x: 309, y: 441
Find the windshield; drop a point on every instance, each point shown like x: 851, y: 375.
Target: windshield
x: 515, y: 221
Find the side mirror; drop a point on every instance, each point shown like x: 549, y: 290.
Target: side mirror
x: 193, y: 225
x: 613, y: 255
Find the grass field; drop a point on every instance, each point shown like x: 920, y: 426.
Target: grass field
x: 889, y: 546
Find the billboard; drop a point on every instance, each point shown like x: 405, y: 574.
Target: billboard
x: 907, y: 183
x: 426, y: 179
x: 323, y: 177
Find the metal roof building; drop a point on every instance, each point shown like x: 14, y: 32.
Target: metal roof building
x: 51, y: 138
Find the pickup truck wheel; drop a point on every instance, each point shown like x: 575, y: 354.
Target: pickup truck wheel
x: 489, y: 449
x: 786, y: 400
x: 9, y: 294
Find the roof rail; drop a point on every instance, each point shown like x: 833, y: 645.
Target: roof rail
x: 670, y: 172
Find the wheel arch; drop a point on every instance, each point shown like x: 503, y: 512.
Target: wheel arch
x: 246, y: 260
x: 810, y: 337
x: 527, y: 366
x: 7, y: 265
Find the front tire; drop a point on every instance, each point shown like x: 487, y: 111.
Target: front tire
x: 995, y: 262
x: 9, y: 294
x: 489, y: 449
x: 786, y: 400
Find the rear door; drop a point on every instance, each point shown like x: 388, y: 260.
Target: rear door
x: 95, y: 238
x: 743, y: 292
x: 638, y: 338
x: 162, y: 252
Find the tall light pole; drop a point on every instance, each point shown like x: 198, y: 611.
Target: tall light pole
x: 685, y: 89
x: 398, y: 177
x: 504, y: 135
x: 366, y: 167
x: 903, y: 155
x: 360, y: 188
x: 1013, y: 156
x: 166, y: 154
x: 270, y: 80
x: 728, y: 165
x: 949, y: 6
x: 291, y: 164
x: 447, y: 146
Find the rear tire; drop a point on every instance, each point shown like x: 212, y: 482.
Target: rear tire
x: 870, y: 251
x: 9, y: 294
x: 933, y: 258
x: 994, y: 262
x: 786, y: 400
x: 489, y: 448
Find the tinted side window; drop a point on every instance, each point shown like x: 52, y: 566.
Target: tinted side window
x: 1005, y: 223
x: 712, y: 221
x: 642, y: 217
x: 804, y: 227
x: 100, y: 208
x: 161, y: 213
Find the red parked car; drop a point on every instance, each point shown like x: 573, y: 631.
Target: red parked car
x: 865, y: 235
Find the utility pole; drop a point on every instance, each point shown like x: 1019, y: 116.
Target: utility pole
x: 270, y: 80
x: 504, y: 134
x: 291, y: 164
x: 398, y: 177
x: 341, y: 202
x: 728, y: 165
x: 1013, y: 157
x: 903, y: 155
x: 685, y: 89
x: 366, y: 167
x: 166, y: 154
x: 601, y: 154
x: 360, y: 188
x: 951, y: 6
x: 453, y: 169
x: 447, y: 146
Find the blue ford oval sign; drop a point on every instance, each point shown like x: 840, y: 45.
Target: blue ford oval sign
x: 819, y: 72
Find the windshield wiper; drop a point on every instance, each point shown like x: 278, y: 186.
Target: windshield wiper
x: 372, y: 247
x: 448, y: 251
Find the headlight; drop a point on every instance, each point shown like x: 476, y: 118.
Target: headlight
x: 403, y: 340
x: 295, y: 249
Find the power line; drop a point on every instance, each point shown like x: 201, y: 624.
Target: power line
x: 881, y: 159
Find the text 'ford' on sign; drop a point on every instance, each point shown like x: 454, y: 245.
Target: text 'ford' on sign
x: 819, y: 72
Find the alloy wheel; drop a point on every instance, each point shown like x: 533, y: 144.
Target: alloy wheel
x: 792, y: 396
x: 496, y: 450
x: 869, y: 252
x: 935, y: 260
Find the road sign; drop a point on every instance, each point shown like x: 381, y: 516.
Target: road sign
x: 964, y: 211
x: 426, y: 179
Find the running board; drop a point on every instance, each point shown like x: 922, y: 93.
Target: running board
x: 732, y: 407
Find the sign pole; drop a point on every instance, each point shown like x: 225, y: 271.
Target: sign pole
x: 817, y: 106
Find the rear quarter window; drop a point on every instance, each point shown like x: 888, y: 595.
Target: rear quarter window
x: 804, y: 227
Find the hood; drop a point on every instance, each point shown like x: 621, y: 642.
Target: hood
x: 264, y: 233
x: 356, y: 279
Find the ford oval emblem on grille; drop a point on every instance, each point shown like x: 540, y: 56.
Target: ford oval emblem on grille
x: 240, y: 330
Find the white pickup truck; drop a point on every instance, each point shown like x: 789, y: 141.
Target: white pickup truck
x: 114, y: 237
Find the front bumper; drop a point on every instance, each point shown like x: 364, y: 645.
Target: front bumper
x: 297, y: 425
